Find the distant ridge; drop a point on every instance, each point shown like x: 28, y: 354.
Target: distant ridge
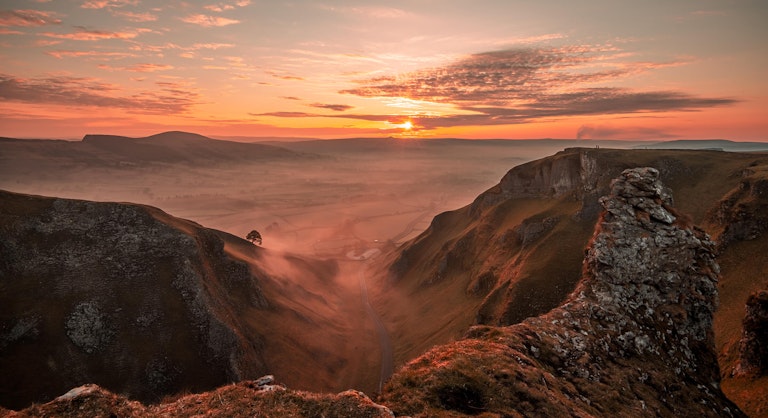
x: 120, y: 151
x: 163, y: 136
x: 721, y: 144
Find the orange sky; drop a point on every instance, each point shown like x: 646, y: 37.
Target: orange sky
x: 473, y: 69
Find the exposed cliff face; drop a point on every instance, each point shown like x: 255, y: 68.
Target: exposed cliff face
x: 116, y: 294
x: 633, y: 339
x: 517, y: 250
x: 753, y: 346
x: 742, y: 214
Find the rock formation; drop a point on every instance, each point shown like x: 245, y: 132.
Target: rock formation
x: 120, y: 295
x: 633, y: 339
x: 753, y: 347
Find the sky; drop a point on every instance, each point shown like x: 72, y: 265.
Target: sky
x: 592, y: 69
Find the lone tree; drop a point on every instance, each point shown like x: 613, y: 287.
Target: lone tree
x: 254, y: 237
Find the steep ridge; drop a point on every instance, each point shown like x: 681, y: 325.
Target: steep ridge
x: 132, y: 299
x: 633, y: 339
x: 516, y: 251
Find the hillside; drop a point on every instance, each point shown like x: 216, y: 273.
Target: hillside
x: 517, y: 250
x: 130, y: 298
x: 633, y: 339
x: 467, y: 298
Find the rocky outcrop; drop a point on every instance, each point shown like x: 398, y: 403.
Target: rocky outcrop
x: 633, y: 339
x: 120, y: 295
x: 743, y: 213
x: 753, y: 347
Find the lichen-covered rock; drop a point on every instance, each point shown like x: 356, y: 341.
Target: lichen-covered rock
x: 89, y: 328
x: 121, y: 295
x: 753, y: 347
x: 633, y: 339
x: 742, y: 214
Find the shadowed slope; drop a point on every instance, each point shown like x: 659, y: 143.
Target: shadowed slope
x: 146, y: 304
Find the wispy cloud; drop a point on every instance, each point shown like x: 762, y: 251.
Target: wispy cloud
x: 519, y: 85
x: 221, y: 7
x: 138, y: 68
x: 335, y: 107
x: 208, y: 20
x: 135, y: 17
x: 286, y: 76
x: 28, y: 18
x: 376, y: 12
x: 88, y: 92
x: 372, y: 118
x: 105, y: 55
x: 85, y: 34
x: 102, y: 4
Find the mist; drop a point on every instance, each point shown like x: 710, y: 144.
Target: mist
x: 326, y: 210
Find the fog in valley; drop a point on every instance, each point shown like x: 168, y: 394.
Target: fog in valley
x: 335, y: 196
x: 326, y: 210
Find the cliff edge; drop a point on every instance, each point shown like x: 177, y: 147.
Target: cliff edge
x: 633, y: 339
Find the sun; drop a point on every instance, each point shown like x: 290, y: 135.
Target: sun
x: 407, y: 125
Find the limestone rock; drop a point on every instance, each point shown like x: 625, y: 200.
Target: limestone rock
x: 121, y: 295
x: 753, y: 347
x: 634, y: 338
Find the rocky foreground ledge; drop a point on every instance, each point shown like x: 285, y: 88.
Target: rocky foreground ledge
x: 634, y: 339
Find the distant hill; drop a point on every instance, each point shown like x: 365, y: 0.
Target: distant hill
x: 714, y: 144
x: 52, y: 156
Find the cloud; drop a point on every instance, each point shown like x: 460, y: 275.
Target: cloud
x: 136, y: 17
x: 86, y: 92
x: 372, y: 118
x: 211, y: 45
x: 106, y: 55
x: 209, y: 21
x: 290, y: 97
x: 139, y: 68
x: 520, y: 85
x: 27, y: 18
x: 84, y: 34
x: 611, y: 132
x: 102, y: 4
x: 376, y: 12
x: 335, y: 107
x: 286, y: 77
x: 221, y: 7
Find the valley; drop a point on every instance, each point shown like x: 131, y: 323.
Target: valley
x: 376, y: 251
